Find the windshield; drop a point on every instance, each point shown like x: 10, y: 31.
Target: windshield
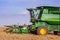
x: 35, y: 13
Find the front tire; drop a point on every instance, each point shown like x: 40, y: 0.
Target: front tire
x: 42, y: 30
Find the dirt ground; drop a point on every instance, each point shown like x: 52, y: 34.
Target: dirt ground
x: 8, y: 36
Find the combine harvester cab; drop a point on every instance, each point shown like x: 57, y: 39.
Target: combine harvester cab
x: 45, y: 19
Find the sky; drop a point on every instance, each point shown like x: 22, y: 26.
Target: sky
x: 14, y: 11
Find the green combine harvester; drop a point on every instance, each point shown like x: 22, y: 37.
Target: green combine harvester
x: 44, y: 19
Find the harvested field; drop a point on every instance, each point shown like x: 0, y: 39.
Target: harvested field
x: 8, y: 36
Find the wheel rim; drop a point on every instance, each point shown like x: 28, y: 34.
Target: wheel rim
x: 42, y: 31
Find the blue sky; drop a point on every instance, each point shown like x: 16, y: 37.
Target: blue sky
x: 14, y: 11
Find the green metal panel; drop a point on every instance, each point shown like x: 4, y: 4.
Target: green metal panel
x: 45, y: 11
x: 59, y: 28
x: 51, y: 18
x: 53, y: 27
x: 40, y: 24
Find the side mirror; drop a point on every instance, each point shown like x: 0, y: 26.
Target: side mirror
x: 29, y: 9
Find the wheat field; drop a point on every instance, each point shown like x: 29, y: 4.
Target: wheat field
x: 8, y: 36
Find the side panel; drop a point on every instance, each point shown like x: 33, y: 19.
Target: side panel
x: 48, y: 26
x: 51, y: 18
x: 53, y: 27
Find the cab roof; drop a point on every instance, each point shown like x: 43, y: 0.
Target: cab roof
x: 48, y: 7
